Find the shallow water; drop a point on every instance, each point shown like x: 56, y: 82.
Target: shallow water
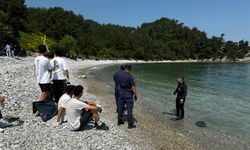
x: 218, y: 95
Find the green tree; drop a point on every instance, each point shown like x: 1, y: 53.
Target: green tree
x: 68, y: 45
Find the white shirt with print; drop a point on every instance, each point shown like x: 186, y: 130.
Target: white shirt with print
x: 42, y: 66
x: 59, y: 66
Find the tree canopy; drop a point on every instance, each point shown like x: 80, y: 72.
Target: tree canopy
x: 163, y: 39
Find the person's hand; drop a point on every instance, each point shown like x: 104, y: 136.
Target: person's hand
x: 55, y: 124
x: 67, y: 81
x: 2, y: 98
x: 181, y: 101
x: 135, y: 97
x: 99, y: 108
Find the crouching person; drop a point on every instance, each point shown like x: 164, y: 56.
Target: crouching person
x: 79, y: 113
x: 64, y: 99
x: 2, y: 99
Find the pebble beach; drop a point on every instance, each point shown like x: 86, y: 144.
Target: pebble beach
x: 17, y: 78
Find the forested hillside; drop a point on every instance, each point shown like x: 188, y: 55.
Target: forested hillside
x: 163, y: 39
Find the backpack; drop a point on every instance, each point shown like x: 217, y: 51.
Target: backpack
x: 47, y: 109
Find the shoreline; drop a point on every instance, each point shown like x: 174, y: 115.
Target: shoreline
x: 160, y: 136
x: 18, y: 79
x: 201, y: 140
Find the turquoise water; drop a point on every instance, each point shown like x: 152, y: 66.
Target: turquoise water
x: 218, y: 94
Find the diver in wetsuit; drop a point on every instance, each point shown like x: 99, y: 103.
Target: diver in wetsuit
x: 181, y: 92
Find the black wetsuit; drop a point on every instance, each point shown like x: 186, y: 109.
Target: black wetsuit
x: 181, y: 92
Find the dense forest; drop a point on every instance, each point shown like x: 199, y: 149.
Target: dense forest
x: 163, y: 39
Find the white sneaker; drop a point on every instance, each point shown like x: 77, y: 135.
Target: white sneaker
x: 1, y: 130
x: 2, y: 120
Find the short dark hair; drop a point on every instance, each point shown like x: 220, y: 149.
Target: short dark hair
x: 42, y: 48
x: 122, y: 67
x: 78, y: 90
x: 128, y: 66
x: 51, y: 55
x: 70, y: 89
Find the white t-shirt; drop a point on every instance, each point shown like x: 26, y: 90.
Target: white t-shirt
x: 7, y: 47
x: 59, y: 66
x: 62, y: 103
x: 73, y: 112
x: 42, y: 66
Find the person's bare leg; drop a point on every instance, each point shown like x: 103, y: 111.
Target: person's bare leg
x: 44, y: 96
x: 95, y: 115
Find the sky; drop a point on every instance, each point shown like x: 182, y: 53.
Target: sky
x: 231, y: 17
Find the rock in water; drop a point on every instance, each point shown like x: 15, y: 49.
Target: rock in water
x: 201, y: 124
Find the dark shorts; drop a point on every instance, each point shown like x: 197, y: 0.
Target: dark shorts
x: 85, y: 118
x: 45, y: 87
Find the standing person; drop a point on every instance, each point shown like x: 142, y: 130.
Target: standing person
x: 12, y: 50
x: 181, y: 92
x: 43, y: 72
x: 117, y: 86
x: 80, y: 112
x: 59, y: 75
x: 51, y: 56
x: 127, y: 96
x: 8, y: 50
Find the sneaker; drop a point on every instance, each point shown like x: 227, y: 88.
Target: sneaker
x: 37, y: 114
x: 130, y: 126
x: 120, y: 123
x: 5, y: 123
x: 2, y: 120
x: 102, y: 127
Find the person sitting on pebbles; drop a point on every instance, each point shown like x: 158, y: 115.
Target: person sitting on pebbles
x: 2, y: 99
x: 61, y: 115
x: 79, y: 113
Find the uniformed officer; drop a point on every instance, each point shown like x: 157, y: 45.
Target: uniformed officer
x: 117, y: 86
x: 181, y: 92
x: 127, y: 96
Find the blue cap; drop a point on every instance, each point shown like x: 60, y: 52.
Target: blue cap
x: 123, y: 66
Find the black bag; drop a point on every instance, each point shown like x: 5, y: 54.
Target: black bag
x: 47, y: 109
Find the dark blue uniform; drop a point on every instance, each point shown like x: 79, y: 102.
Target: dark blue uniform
x: 117, y: 87
x: 125, y: 82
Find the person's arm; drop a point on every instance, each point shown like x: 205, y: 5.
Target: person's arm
x: 134, y: 91
x: 59, y: 114
x: 66, y: 69
x: 66, y: 73
x: 175, y: 92
x: 93, y: 107
x: 90, y: 103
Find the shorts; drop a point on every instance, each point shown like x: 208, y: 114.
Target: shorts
x: 85, y: 118
x: 45, y: 87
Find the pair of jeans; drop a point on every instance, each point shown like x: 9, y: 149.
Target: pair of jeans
x: 125, y: 99
x: 59, y: 87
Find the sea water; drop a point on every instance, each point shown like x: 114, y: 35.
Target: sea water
x: 218, y: 94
